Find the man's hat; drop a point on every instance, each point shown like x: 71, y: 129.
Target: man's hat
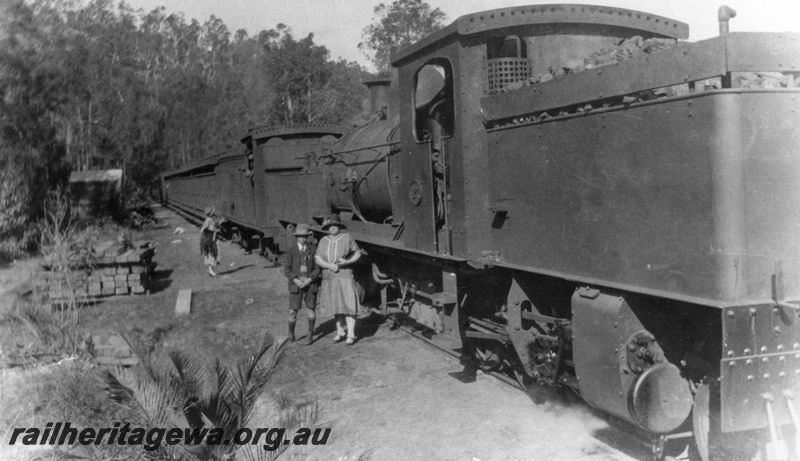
x: 333, y: 220
x: 209, y: 211
x: 302, y: 231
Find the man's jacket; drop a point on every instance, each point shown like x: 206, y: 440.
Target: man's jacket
x: 291, y: 267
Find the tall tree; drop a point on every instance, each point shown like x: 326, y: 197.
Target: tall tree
x: 310, y: 88
x: 35, y: 90
x: 396, y: 26
x: 95, y: 84
x: 297, y: 69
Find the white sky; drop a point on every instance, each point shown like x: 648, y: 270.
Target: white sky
x: 337, y: 24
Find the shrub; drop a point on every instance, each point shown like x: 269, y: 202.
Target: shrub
x: 171, y: 389
x: 11, y: 248
x: 42, y: 330
x: 45, y: 332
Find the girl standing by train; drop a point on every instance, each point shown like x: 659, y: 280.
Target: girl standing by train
x: 337, y: 294
x: 208, y: 241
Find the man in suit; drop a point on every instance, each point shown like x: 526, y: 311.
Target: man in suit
x: 303, y: 274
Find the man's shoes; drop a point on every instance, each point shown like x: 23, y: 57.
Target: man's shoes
x: 350, y: 341
x: 310, y: 335
x: 338, y: 339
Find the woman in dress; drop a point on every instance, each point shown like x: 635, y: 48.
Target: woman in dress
x: 336, y: 252
x: 208, y: 241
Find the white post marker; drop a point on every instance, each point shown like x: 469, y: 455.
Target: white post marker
x: 184, y: 304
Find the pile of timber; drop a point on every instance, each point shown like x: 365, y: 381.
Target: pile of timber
x: 110, y: 270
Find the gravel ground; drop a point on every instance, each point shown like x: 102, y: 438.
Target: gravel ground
x: 389, y: 397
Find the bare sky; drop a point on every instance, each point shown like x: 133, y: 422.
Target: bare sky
x: 337, y: 24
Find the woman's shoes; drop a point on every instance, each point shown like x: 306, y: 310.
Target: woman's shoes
x: 349, y: 342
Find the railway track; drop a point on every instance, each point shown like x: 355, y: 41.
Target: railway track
x: 625, y: 438
x: 419, y: 334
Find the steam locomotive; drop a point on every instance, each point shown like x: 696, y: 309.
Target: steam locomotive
x: 576, y: 195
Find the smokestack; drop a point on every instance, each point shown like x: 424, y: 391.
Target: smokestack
x: 725, y: 14
x: 379, y: 95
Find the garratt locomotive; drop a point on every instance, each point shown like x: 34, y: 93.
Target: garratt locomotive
x: 573, y: 194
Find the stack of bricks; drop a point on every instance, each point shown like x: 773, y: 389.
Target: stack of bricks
x: 114, y: 270
x: 63, y: 287
x: 121, y: 271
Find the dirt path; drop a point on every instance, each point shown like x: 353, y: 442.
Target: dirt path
x: 389, y: 397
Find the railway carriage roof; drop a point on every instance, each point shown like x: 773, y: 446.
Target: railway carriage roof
x: 503, y: 18
x: 195, y: 165
x: 266, y: 131
x: 259, y: 132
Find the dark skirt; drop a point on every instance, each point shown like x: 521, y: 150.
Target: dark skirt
x: 208, y: 247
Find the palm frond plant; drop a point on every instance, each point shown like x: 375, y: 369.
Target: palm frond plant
x: 174, y: 390
x: 302, y: 415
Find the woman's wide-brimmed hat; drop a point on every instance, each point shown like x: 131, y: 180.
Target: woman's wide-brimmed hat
x: 209, y: 211
x: 333, y: 220
x: 302, y: 231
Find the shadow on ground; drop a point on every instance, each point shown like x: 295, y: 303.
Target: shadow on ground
x: 160, y: 280
x: 366, y: 327
x: 231, y: 271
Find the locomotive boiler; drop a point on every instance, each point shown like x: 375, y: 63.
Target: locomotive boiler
x: 576, y: 196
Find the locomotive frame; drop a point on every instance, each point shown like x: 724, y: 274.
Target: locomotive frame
x: 628, y: 231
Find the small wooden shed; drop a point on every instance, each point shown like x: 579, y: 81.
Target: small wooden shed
x: 96, y: 193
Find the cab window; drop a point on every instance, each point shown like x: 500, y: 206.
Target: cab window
x: 433, y: 99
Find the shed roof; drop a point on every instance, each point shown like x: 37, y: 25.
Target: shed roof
x: 96, y: 176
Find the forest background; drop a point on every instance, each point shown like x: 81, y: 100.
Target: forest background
x: 94, y: 84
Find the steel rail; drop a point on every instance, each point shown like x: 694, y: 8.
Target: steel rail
x: 639, y: 439
x: 416, y: 334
